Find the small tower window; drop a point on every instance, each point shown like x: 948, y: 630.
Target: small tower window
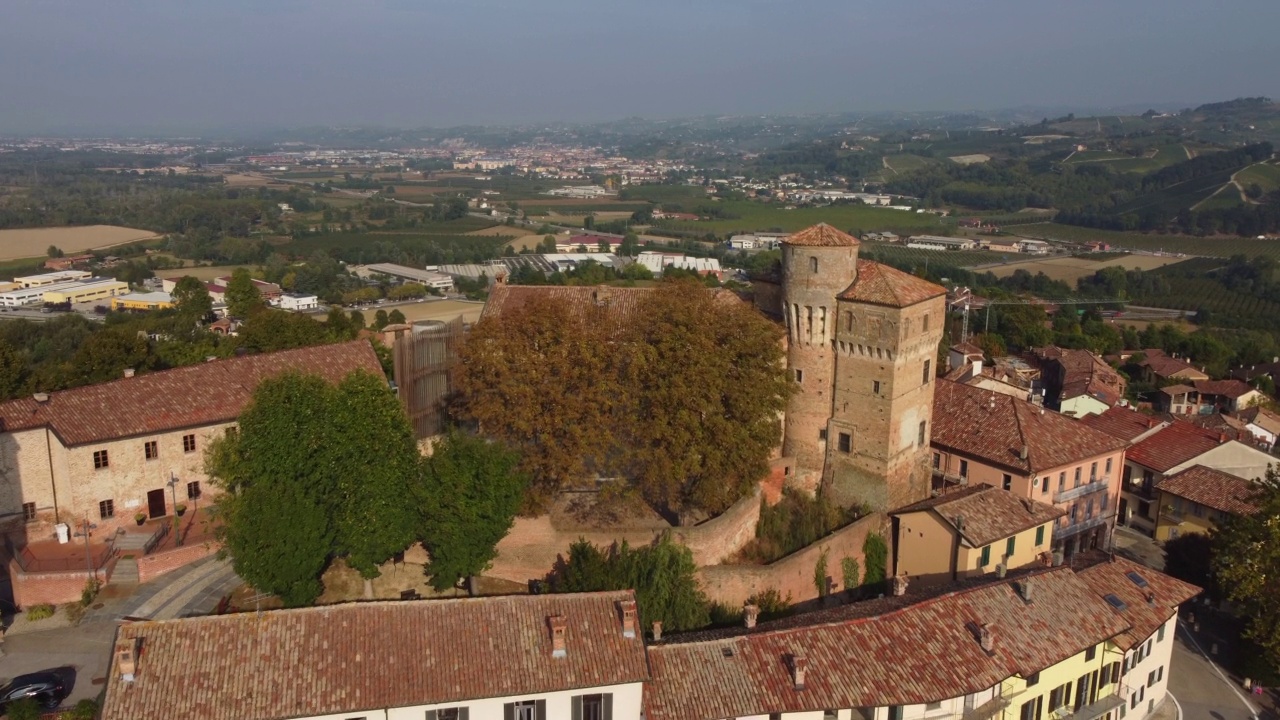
x: 923, y: 427
x: 799, y: 375
x: 925, y: 323
x: 924, y: 380
x: 813, y: 264
x: 875, y: 386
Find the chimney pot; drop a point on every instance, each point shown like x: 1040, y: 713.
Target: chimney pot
x: 899, y: 585
x: 41, y: 397
x: 986, y: 639
x: 628, y: 608
x: 657, y: 630
x: 128, y: 372
x: 1151, y: 599
x: 750, y: 613
x: 1024, y: 589
x: 127, y: 660
x: 557, y: 625
x: 798, y: 666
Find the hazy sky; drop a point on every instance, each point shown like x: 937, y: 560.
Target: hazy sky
x: 261, y: 63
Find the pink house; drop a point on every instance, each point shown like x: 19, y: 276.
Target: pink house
x: 985, y: 437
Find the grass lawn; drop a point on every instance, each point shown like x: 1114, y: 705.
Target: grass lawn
x: 1265, y: 175
x: 747, y: 216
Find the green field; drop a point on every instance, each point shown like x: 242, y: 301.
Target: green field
x: 422, y: 248
x: 1153, y: 159
x: 1227, y: 197
x: 447, y: 227
x: 1177, y: 196
x: 533, y: 208
x: 746, y: 216
x: 1266, y: 175
x: 1186, y: 244
x: 905, y: 162
x: 679, y: 194
x: 934, y: 259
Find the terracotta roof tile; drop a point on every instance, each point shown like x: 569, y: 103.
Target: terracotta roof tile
x: 202, y: 394
x: 821, y: 235
x: 1172, y: 446
x: 995, y: 428
x: 1086, y: 374
x: 1213, y: 488
x: 989, y: 513
x: 1122, y: 422
x: 923, y: 652
x: 1263, y: 418
x: 1167, y: 367
x: 343, y: 659
x: 882, y: 285
x: 1144, y: 613
x: 1225, y: 388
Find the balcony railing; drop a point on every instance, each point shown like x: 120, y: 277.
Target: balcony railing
x: 1173, y: 516
x: 1094, y: 710
x: 1073, y: 529
x: 1094, y: 485
x: 986, y: 710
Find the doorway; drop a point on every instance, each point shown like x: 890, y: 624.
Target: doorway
x: 155, y: 503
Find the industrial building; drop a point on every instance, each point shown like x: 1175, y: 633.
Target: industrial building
x: 429, y: 277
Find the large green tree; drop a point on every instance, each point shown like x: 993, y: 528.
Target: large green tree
x: 243, y: 297
x: 1246, y: 565
x: 471, y: 491
x: 274, y: 330
x: 315, y: 471
x: 191, y: 298
x: 703, y: 389
x: 13, y: 371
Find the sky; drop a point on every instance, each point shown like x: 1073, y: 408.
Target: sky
x: 201, y: 64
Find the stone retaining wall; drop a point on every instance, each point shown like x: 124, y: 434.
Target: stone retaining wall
x: 153, y: 566
x: 55, y: 587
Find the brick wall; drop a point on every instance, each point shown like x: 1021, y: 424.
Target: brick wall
x: 794, y: 574
x: 153, y: 566
x: 54, y: 588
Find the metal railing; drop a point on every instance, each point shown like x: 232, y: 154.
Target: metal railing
x: 1094, y: 485
x: 29, y: 562
x: 1073, y: 529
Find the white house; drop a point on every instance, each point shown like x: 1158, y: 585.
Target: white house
x: 299, y: 302
x: 517, y: 657
x: 1264, y: 424
x: 935, y: 242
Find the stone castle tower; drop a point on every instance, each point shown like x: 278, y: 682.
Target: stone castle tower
x: 862, y: 348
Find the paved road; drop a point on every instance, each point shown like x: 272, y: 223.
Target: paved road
x: 1206, y: 691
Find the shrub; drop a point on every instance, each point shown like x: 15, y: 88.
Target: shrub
x: 40, y: 612
x: 875, y: 553
x: 771, y: 603
x: 86, y: 709
x: 90, y: 591
x: 849, y: 573
x: 24, y: 709
x: 74, y: 611
x: 820, y: 574
x: 798, y: 520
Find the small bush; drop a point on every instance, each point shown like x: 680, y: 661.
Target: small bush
x: 771, y: 603
x: 850, y: 573
x: 40, y: 612
x: 875, y: 553
x: 820, y: 574
x: 90, y: 591
x: 86, y: 709
x: 24, y: 709
x: 795, y: 522
x: 74, y: 612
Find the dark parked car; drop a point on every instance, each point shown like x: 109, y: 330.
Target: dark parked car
x: 47, y: 688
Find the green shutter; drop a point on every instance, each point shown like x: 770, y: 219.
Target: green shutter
x: 1009, y: 546
x: 464, y: 713
x: 986, y: 556
x: 608, y: 706
x: 1039, y: 536
x: 431, y: 715
x: 575, y: 707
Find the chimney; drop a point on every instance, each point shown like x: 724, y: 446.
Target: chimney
x: 959, y: 523
x: 1001, y: 570
x: 657, y: 630
x: 628, y: 608
x: 798, y: 665
x: 1151, y: 599
x: 127, y: 660
x: 41, y: 397
x: 750, y: 613
x: 1024, y: 589
x: 557, y: 625
x: 1022, y: 453
x: 1222, y: 437
x: 985, y: 638
x: 128, y: 372
x: 899, y: 585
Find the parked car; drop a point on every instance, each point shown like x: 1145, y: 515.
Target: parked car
x: 47, y: 688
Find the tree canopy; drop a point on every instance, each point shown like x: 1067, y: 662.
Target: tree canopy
x: 191, y: 298
x: 315, y: 471
x: 243, y: 296
x: 1246, y: 565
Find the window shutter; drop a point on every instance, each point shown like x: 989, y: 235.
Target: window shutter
x: 608, y: 706
x: 431, y: 715
x: 540, y: 710
x: 464, y: 713
x: 509, y: 711
x: 575, y: 707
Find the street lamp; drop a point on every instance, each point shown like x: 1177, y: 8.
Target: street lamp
x: 173, y: 488
x: 85, y: 528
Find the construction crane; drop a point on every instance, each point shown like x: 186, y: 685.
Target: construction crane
x: 962, y: 298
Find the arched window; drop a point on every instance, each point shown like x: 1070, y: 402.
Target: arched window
x: 813, y: 264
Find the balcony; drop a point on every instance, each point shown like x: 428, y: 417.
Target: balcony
x: 1169, y: 515
x: 986, y: 710
x: 1094, y: 710
x: 1094, y: 485
x: 1066, y: 531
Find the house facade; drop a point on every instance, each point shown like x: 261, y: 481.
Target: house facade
x: 985, y: 437
x: 106, y: 452
x: 1198, y: 499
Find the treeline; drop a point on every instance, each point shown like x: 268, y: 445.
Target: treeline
x: 1010, y: 185
x: 1206, y: 164
x: 816, y: 159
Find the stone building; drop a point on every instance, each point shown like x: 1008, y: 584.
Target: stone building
x: 862, y: 344
x: 105, y: 452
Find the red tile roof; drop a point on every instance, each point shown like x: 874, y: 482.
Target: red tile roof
x: 1144, y: 613
x: 203, y: 394
x: 923, y: 652
x: 995, y: 428
x: 344, y: 659
x: 1213, y: 488
x: 984, y: 514
x: 821, y: 235
x: 1263, y: 418
x: 882, y: 285
x: 1173, y: 445
x: 1086, y: 374
x: 1225, y: 388
x: 1122, y: 422
x: 1167, y: 367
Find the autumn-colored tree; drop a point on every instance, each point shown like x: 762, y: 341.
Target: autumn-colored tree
x: 540, y: 377
x: 704, y: 385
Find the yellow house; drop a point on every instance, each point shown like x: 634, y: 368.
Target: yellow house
x: 1086, y: 684
x: 1197, y: 499
x: 139, y: 302
x: 970, y: 531
x: 86, y: 291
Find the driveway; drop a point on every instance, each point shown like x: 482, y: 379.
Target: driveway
x: 1204, y: 689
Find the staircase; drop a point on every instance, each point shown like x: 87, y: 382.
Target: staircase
x: 126, y: 572
x: 129, y: 546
